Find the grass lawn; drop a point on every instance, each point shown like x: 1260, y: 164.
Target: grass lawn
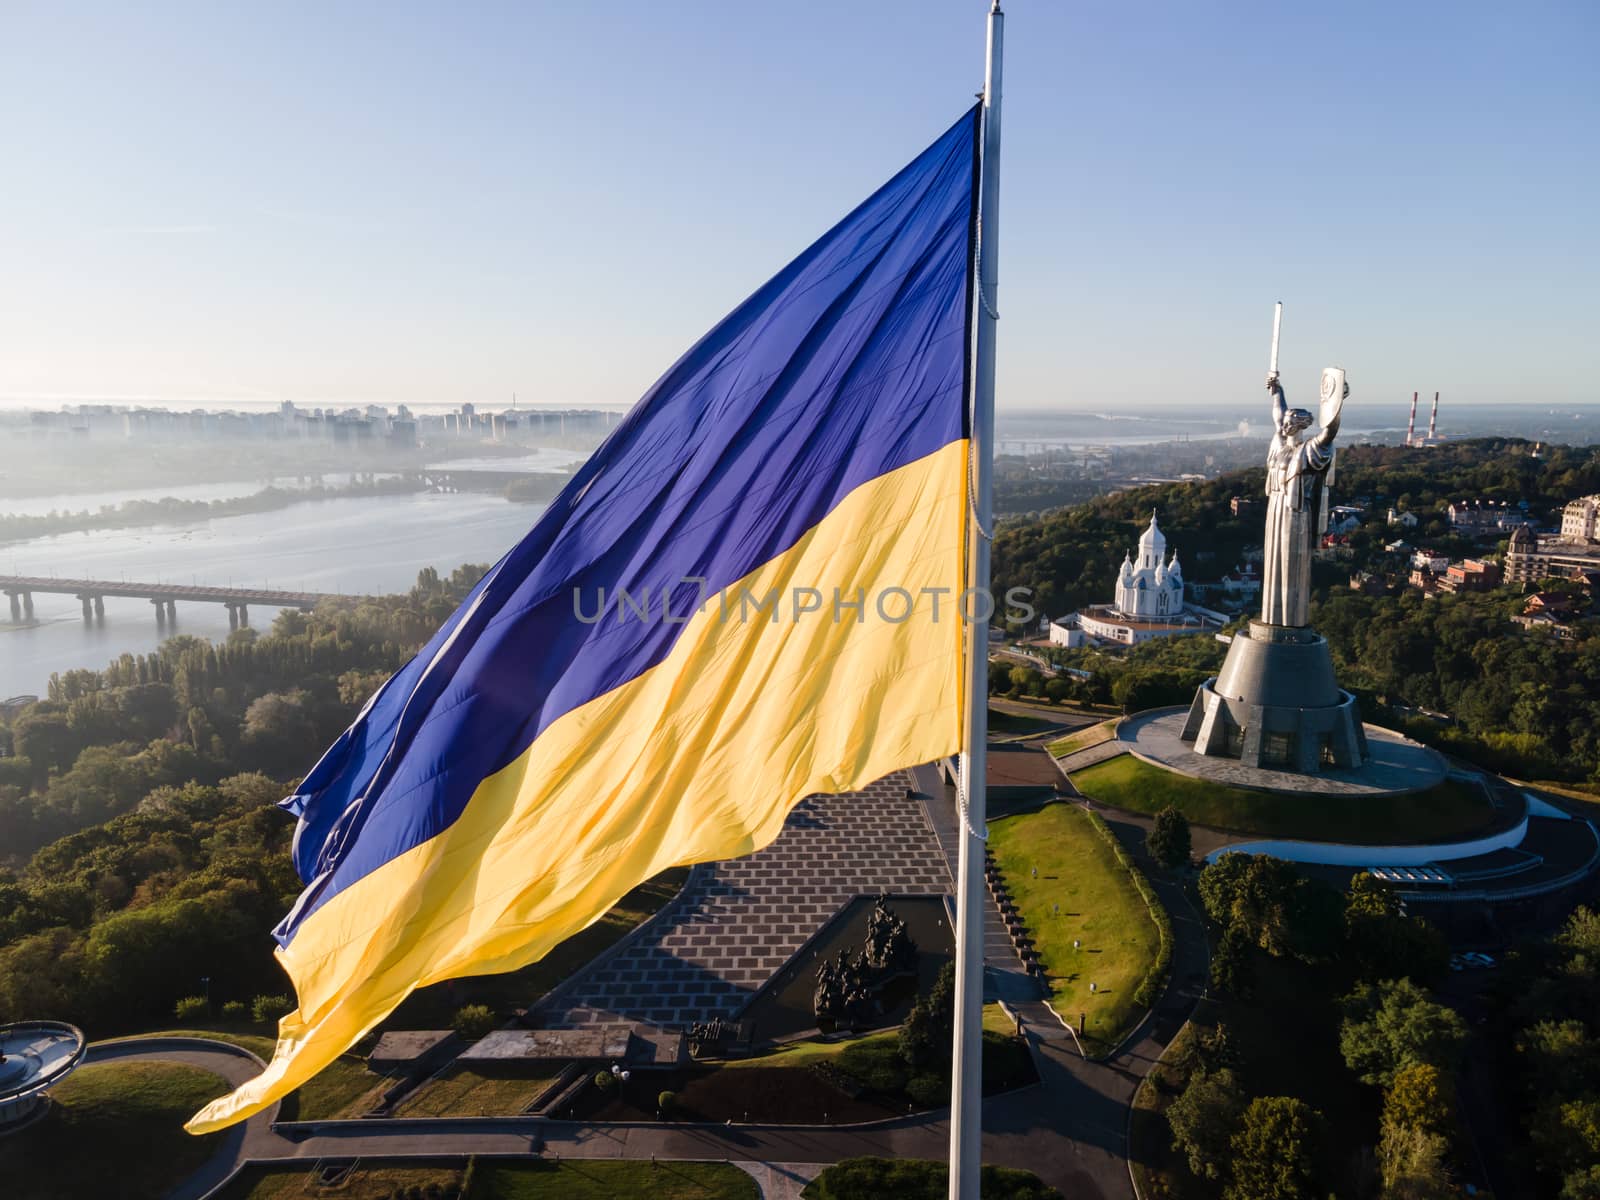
x: 486, y: 1179
x: 1099, y: 906
x: 344, y: 1088
x: 463, y: 1092
x: 259, y: 1044
x: 365, y: 1182
x: 1451, y: 810
x: 1083, y: 739
x: 117, y: 1130
x: 874, y: 1060
x: 610, y: 1180
x: 810, y: 1053
x: 1587, y: 795
x: 1010, y: 722
x: 433, y: 1007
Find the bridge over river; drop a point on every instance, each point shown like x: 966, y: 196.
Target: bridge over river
x: 164, y: 596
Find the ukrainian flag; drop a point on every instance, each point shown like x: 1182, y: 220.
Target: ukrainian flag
x: 747, y: 595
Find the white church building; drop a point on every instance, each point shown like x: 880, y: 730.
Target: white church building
x: 1149, y: 602
x: 1152, y: 586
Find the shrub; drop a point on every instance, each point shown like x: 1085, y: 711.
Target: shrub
x: 877, y: 1178
x: 605, y: 1081
x: 1149, y: 989
x: 235, y: 1010
x: 928, y: 1091
x: 874, y: 1064
x: 1169, y: 842
x: 666, y: 1102
x: 192, y: 1008
x: 473, y: 1021
x: 270, y: 1008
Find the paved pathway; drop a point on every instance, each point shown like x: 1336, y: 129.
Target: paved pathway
x: 781, y: 1181
x: 1088, y: 757
x: 736, y: 923
x: 1004, y: 976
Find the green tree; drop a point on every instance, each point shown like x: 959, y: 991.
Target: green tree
x: 1562, y: 1055
x: 1581, y: 933
x: 1371, y: 897
x: 925, y: 1037
x: 1412, y: 1163
x: 1566, y: 1134
x: 278, y: 728
x: 1204, y: 1119
x: 1383, y: 946
x: 1419, y: 1098
x: 999, y: 678
x: 473, y: 1021
x: 1582, y: 1184
x: 1274, y: 906
x: 1026, y: 680
x: 43, y: 736
x: 1272, y: 1151
x: 1169, y: 842
x: 1392, y: 1025
x: 1231, y: 968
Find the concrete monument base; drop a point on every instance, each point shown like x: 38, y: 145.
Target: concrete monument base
x: 1275, y: 704
x: 1395, y: 765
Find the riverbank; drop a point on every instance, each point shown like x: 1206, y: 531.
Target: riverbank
x: 171, y: 510
x: 354, y: 545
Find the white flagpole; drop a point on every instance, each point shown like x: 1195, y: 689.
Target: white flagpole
x: 966, y: 1085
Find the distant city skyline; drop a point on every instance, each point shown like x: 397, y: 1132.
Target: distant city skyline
x: 414, y: 205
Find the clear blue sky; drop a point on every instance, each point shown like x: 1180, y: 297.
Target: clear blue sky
x: 434, y: 203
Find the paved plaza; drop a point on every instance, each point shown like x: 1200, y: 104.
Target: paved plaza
x: 737, y: 922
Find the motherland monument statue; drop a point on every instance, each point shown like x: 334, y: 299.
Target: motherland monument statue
x: 1275, y: 703
x: 1299, y: 466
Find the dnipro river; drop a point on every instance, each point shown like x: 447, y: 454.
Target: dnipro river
x: 367, y: 544
x: 378, y: 544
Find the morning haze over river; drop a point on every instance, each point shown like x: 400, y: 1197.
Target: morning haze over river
x: 376, y: 544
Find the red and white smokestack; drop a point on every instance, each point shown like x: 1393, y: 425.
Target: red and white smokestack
x: 1433, y: 418
x: 1411, y: 425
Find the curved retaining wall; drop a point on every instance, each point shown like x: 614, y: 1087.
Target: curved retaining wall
x: 1347, y: 854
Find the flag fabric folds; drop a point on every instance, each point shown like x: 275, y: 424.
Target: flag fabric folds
x: 747, y: 595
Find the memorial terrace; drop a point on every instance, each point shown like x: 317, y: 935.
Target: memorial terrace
x: 1105, y: 622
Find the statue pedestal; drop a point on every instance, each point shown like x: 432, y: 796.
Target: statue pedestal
x: 1275, y: 704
